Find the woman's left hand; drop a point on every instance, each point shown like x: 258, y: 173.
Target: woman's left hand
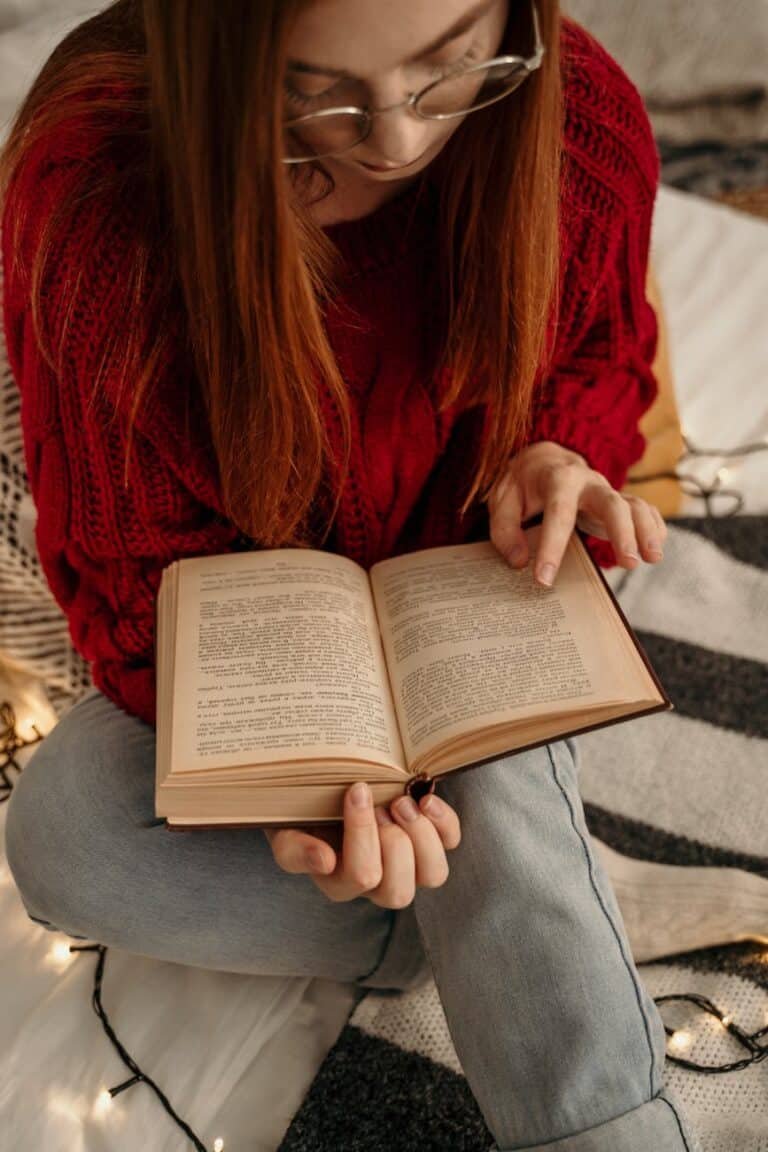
x: 545, y: 477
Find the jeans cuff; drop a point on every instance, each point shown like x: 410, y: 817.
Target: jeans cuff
x: 658, y: 1124
x: 404, y: 965
x: 52, y: 927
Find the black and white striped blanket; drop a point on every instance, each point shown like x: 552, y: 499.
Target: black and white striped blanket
x: 34, y: 635
x: 677, y: 805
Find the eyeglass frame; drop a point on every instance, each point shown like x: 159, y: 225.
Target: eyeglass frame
x: 530, y: 63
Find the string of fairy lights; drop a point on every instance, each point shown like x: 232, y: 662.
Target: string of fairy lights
x: 681, y: 1040
x: 12, y: 738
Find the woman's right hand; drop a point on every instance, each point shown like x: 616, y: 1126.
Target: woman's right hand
x: 373, y: 855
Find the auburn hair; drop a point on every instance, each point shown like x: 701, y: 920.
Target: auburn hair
x: 190, y: 95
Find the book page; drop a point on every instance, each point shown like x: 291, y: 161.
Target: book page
x: 278, y: 658
x: 471, y: 642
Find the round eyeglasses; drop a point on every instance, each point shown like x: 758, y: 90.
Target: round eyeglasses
x: 333, y: 131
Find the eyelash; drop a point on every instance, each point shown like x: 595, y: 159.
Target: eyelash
x: 438, y: 73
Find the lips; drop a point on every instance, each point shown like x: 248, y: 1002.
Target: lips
x: 392, y: 167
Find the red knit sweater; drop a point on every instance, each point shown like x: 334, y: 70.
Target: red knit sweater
x: 103, y: 547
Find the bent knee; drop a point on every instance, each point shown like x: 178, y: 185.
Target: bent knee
x: 63, y: 805
x: 36, y: 831
x: 507, y: 777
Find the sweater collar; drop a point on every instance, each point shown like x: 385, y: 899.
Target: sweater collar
x: 375, y: 241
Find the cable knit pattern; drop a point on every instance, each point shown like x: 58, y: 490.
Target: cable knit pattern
x: 103, y: 546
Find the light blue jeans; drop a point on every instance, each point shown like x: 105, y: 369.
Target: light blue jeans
x: 561, y: 1044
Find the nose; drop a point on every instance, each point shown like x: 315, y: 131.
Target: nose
x: 397, y: 135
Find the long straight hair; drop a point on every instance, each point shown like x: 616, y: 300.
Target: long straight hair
x: 189, y: 94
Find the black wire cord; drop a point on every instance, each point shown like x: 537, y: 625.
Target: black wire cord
x: 693, y: 487
x: 127, y: 1059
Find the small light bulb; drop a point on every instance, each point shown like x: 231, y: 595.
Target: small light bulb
x: 680, y: 1040
x: 26, y: 728
x: 58, y: 955
x: 103, y: 1102
x: 218, y: 1144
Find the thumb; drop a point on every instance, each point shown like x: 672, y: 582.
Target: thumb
x: 505, y: 507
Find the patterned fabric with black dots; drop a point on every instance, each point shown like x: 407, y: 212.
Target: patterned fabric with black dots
x: 34, y: 634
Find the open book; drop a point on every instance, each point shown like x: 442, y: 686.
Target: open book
x: 285, y: 675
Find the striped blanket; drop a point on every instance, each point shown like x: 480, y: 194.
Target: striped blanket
x: 677, y: 805
x: 34, y: 635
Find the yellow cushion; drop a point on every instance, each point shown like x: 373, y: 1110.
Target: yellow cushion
x: 660, y: 424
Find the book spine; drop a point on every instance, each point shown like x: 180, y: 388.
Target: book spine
x: 416, y: 787
x: 419, y: 786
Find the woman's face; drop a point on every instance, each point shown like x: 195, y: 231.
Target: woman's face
x: 369, y: 54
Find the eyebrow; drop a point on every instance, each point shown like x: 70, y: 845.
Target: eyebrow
x: 464, y: 23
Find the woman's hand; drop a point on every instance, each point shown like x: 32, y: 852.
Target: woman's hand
x: 547, y: 477
x: 372, y: 855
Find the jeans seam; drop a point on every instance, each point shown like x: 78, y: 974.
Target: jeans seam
x: 607, y: 916
x: 673, y: 1110
x: 384, y: 950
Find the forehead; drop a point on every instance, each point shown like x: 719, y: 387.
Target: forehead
x: 370, y: 36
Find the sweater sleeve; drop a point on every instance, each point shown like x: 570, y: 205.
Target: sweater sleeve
x: 601, y: 381
x: 102, y: 544
x: 107, y: 596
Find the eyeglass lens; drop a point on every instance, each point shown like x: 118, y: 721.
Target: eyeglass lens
x: 317, y: 136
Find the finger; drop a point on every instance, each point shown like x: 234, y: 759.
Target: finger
x: 560, y: 510
x: 615, y: 512
x: 499, y: 489
x: 506, y: 512
x: 618, y: 519
x: 398, y: 883
x: 296, y: 851
x: 444, y: 818
x: 591, y: 526
x: 660, y: 533
x: 646, y: 531
x: 431, y: 864
x: 361, y: 852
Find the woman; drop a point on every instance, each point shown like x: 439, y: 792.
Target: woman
x: 315, y: 273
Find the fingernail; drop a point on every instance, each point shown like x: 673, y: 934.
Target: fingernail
x: 654, y: 546
x: 406, y: 809
x: 516, y: 555
x: 382, y: 816
x: 433, y: 806
x: 632, y: 555
x: 315, y: 860
x: 361, y: 795
x: 546, y: 574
